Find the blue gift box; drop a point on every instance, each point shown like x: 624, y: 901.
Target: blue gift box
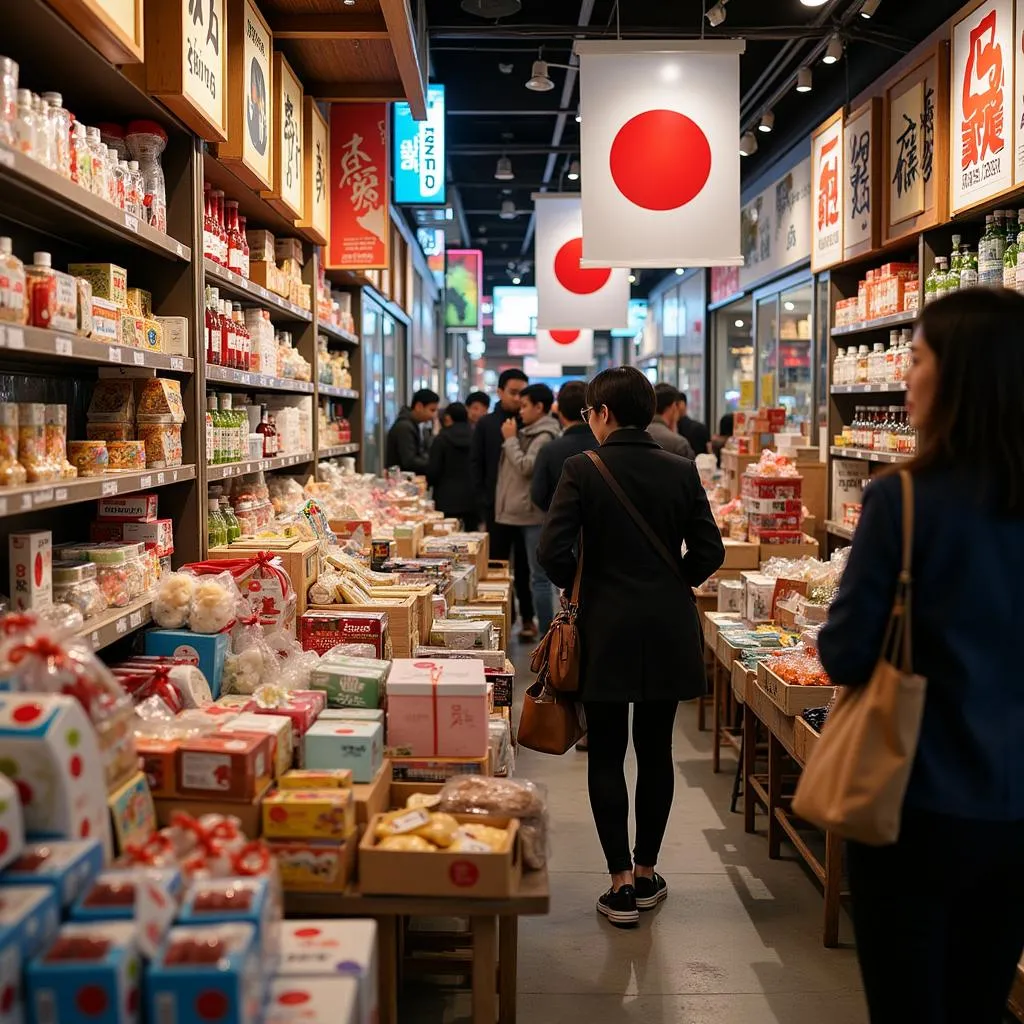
x: 69, y: 865
x: 111, y: 897
x: 31, y: 914
x: 207, y: 650
x: 233, y: 901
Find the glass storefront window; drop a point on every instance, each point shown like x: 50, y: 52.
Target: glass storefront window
x: 767, y: 351
x: 796, y: 375
x: 734, y: 354
x: 373, y: 387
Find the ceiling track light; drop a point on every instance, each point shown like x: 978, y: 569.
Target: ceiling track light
x: 540, y: 80
x: 579, y: 117
x: 717, y: 14
x: 804, y: 80
x: 574, y: 171
x: 834, y: 51
x: 814, y: 3
x: 748, y: 144
x: 870, y: 8
x: 503, y: 170
x: 508, y: 210
x: 767, y: 122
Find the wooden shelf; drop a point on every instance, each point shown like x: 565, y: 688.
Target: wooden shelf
x: 34, y: 497
x: 339, y: 449
x: 839, y: 530
x: 115, y: 623
x: 33, y: 195
x: 257, y: 381
x: 337, y: 334
x: 890, y: 388
x: 332, y: 392
x: 869, y: 456
x: 56, y: 347
x: 230, y: 469
x: 881, y: 324
x: 241, y: 288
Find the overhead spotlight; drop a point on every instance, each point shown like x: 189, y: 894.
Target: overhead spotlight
x: 804, y: 80
x: 789, y: 306
x: 503, y: 171
x: 834, y: 51
x: 540, y: 80
x: 632, y: 278
x: 767, y: 122
x: 738, y: 323
x: 716, y: 15
x: 505, y: 69
x: 574, y: 171
x: 579, y: 117
x: 517, y: 280
x: 748, y: 144
x: 680, y: 271
x: 349, y: 3
x: 869, y: 8
x: 508, y: 210
x: 814, y: 3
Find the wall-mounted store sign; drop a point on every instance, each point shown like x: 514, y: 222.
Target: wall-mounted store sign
x: 358, y: 181
x: 828, y: 188
x: 419, y: 152
x: 287, y: 193
x: 250, y: 145
x: 317, y: 136
x: 862, y: 171
x: 114, y: 27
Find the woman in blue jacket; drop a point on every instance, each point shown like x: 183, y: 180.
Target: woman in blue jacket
x: 939, y: 915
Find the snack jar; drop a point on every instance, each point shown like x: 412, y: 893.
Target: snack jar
x: 90, y: 458
x: 75, y: 583
x: 127, y: 456
x: 57, y: 441
x: 162, y: 437
x: 137, y: 574
x: 32, y: 443
x: 12, y: 472
x: 113, y: 583
x: 245, y: 512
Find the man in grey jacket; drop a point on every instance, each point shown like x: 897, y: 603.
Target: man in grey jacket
x: 514, y: 508
x: 663, y: 427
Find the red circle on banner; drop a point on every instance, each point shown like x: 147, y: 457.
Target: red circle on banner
x: 564, y: 337
x: 91, y: 1000
x: 660, y: 159
x: 574, y: 278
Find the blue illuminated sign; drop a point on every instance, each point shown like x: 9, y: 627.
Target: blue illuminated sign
x: 418, y: 149
x: 637, y: 316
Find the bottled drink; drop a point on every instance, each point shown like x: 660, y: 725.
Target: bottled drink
x: 862, y: 365
x: 990, y: 254
x: 876, y: 363
x: 1010, y: 251
x: 212, y: 327
x: 243, y: 337
x: 208, y: 247
x: 46, y: 143
x: 230, y: 452
x: 890, y: 357
x: 233, y: 238
x: 969, y: 270
x: 931, y: 282
x: 216, y: 528
x: 234, y: 530
x: 211, y: 451
x: 263, y: 428
x: 245, y: 247
x: 1019, y: 276
x: 25, y: 124
x: 60, y: 120
x: 13, y: 290
x: 942, y: 285
x: 837, y: 366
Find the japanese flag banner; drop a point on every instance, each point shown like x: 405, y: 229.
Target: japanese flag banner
x: 660, y: 153
x: 568, y: 295
x: 567, y: 348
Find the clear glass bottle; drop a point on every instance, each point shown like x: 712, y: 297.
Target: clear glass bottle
x: 876, y: 364
x: 230, y: 453
x: 25, y: 124
x: 263, y: 428
x: 98, y: 153
x: 862, y: 365
x: 216, y: 528
x: 46, y: 142
x: 136, y: 190
x: 242, y: 337
x: 220, y: 238
x: 211, y: 451
x: 146, y: 141
x: 234, y: 530
x: 13, y: 307
x: 245, y: 247
x: 8, y: 99
x: 943, y: 283
x: 969, y: 277
x: 212, y: 326
x: 990, y: 263
x: 115, y: 172
x: 60, y: 120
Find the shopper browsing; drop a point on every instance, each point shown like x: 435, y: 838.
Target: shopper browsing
x: 514, y: 508
x: 640, y: 636
x: 576, y: 437
x: 664, y: 426
x: 939, y: 915
x: 407, y: 447
x: 693, y: 430
x: 448, y: 468
x: 477, y: 406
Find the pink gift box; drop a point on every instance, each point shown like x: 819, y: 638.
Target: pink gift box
x: 437, y: 708
x: 302, y: 707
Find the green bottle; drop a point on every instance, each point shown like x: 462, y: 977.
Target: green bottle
x: 216, y: 528
x: 931, y: 283
x: 234, y: 531
x: 1010, y: 252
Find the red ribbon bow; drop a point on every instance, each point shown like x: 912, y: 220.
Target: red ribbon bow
x: 241, y: 567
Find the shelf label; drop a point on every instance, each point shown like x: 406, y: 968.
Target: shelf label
x: 43, y: 497
x: 121, y: 625
x: 109, y: 488
x: 145, y: 481
x: 26, y: 502
x: 139, y: 358
x: 179, y: 250
x: 63, y: 346
x: 131, y: 222
x: 135, y: 619
x: 94, y: 639
x: 6, y: 157
x: 3, y: 506
x: 114, y: 353
x: 177, y: 363
x: 15, y: 337
x: 60, y: 494
x: 159, y: 479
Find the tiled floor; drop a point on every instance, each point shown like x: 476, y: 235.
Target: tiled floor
x: 737, y: 942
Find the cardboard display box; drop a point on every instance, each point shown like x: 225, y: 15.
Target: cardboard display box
x: 790, y: 699
x: 739, y: 554
x: 403, y: 621
x: 373, y: 798
x: 299, y: 558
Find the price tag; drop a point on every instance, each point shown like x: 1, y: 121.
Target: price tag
x: 145, y: 481
x: 6, y: 157
x: 113, y: 354
x: 179, y: 250
x: 177, y: 363
x: 63, y: 346
x: 174, y: 477
x: 43, y: 497
x: 15, y: 337
x: 131, y: 222
x: 159, y: 480
x: 61, y: 494
x: 26, y: 502
x: 109, y: 488
x: 248, y: 467
x: 3, y: 506
x: 121, y: 625
x: 139, y: 358
x: 94, y: 639
x: 135, y: 619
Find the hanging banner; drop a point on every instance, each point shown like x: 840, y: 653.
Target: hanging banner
x: 827, y: 185
x: 316, y: 138
x: 287, y: 195
x: 981, y: 105
x: 463, y: 284
x: 1018, y: 120
x: 568, y: 295
x: 661, y: 164
x: 567, y: 348
x: 359, y: 187
x: 419, y: 152
x: 862, y: 152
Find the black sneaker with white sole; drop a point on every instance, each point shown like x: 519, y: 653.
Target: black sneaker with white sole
x: 619, y: 906
x: 650, y: 891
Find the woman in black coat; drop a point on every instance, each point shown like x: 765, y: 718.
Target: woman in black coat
x: 640, y: 634
x: 448, y: 468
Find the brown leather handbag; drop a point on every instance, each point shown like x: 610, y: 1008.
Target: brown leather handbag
x: 558, y: 654
x: 549, y: 723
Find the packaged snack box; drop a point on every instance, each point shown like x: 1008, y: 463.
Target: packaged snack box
x: 159, y: 759
x: 112, y: 896
x: 309, y: 814
x: 31, y: 913
x: 351, y: 682
x: 206, y: 650
x: 358, y: 746
x: 313, y: 1001
x: 224, y: 766
x: 309, y: 778
x: 31, y: 561
x: 132, y: 812
x: 277, y: 727
x: 321, y: 630
x: 314, y: 865
x: 68, y: 866
x: 237, y: 901
x: 108, y: 280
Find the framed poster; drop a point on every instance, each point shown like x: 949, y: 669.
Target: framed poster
x: 1018, y: 95
x: 827, y: 190
x: 862, y: 169
x: 359, y: 188
x: 317, y: 135
x: 981, y: 105
x: 250, y: 145
x: 286, y: 194
x: 463, y: 282
x: 114, y: 27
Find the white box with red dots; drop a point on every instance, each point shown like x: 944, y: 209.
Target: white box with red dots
x: 49, y: 750
x: 70, y: 866
x: 12, y: 825
x: 336, y: 949
x: 313, y: 1001
x: 31, y: 560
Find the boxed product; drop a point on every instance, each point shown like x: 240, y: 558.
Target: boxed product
x: 321, y: 630
x: 175, y: 333
x: 51, y: 753
x: 248, y: 814
x: 313, y: 1001
x: 108, y: 280
x: 491, y: 660
x: 206, y: 650
x: 31, y: 560
x: 12, y: 823
x: 314, y: 865
x: 302, y: 707
x: 288, y: 249
x: 309, y: 814
x: 206, y: 971
x: 158, y: 534
x: 106, y: 321
x: 132, y: 812
x: 111, y: 897
x: 158, y: 758
x: 160, y: 397
x: 438, y: 708
x: 502, y: 682
x: 352, y: 715
x: 140, y: 302
x: 730, y: 596
x: 32, y: 914
x: 463, y: 634
x: 311, y: 778
x: 261, y: 245
x: 351, y: 682
x: 358, y: 746
x: 758, y: 593
x: 438, y: 769
x: 332, y: 947
x: 236, y: 901
x: 91, y: 971
x: 298, y: 559
x: 277, y: 727
x: 225, y: 767
x: 68, y: 866
x: 133, y: 508
x: 52, y: 300
x: 236, y: 702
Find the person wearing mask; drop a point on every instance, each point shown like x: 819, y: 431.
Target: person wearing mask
x: 666, y: 419
x: 407, y: 447
x: 485, y: 455
x: 939, y: 915
x: 635, y: 589
x: 477, y: 405
x: 514, y: 508
x: 576, y: 437
x: 448, y: 468
x: 693, y: 430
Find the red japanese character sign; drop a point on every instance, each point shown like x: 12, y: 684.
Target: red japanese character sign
x: 827, y: 184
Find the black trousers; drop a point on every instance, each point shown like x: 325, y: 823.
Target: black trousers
x: 509, y: 542
x: 939, y: 920
x: 607, y: 740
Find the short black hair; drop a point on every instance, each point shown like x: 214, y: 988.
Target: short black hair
x: 665, y: 396
x: 456, y: 412
x: 725, y: 427
x: 627, y: 394
x: 683, y: 398
x: 509, y: 375
x: 572, y: 396
x: 425, y: 397
x: 539, y: 394
x: 478, y: 397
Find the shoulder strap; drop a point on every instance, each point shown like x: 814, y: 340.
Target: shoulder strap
x: 906, y: 578
x: 635, y: 515
x: 575, y: 599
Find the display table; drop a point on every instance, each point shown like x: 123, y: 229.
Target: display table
x: 723, y: 705
x: 494, y: 932
x: 705, y: 603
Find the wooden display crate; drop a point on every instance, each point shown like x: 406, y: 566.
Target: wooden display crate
x: 790, y: 699
x: 804, y: 740
x: 403, y: 621
x: 764, y: 708
x: 734, y: 466
x: 742, y: 677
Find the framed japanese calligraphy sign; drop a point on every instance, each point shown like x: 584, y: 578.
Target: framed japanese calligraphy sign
x: 286, y: 195
x: 315, y: 159
x: 862, y: 169
x: 358, y: 180
x: 827, y: 188
x: 1018, y: 98
x: 250, y: 146
x: 915, y: 120
x: 981, y: 161
x: 114, y: 27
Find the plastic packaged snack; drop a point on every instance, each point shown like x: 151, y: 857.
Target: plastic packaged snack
x: 12, y: 472
x: 75, y: 583
x: 214, y: 605
x: 173, y: 600
x: 32, y: 443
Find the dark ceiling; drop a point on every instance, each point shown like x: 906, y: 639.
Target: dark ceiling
x: 485, y: 64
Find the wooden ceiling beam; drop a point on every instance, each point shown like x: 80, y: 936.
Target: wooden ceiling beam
x: 398, y: 19
x: 356, y: 92
x: 328, y: 27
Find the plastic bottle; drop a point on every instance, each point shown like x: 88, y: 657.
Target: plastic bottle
x: 969, y: 277
x: 8, y: 99
x: 12, y: 285
x: 136, y: 189
x: 24, y: 133
x: 60, y: 120
x: 46, y: 142
x: 234, y: 530
x: 990, y: 256
x: 98, y: 157
x: 244, y: 339
x: 876, y: 364
x: 115, y: 178
x: 216, y: 528
x: 235, y: 261
x: 146, y: 142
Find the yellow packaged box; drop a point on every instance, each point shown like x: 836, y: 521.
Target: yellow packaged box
x: 140, y: 302
x: 316, y: 778
x: 311, y: 865
x: 309, y: 814
x: 108, y: 280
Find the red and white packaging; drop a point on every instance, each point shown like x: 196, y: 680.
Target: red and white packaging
x: 157, y: 533
x: 133, y: 508
x: 312, y: 1001
x: 31, y: 559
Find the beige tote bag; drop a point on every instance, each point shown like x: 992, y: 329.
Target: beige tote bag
x: 856, y: 778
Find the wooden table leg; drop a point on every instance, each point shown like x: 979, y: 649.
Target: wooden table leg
x: 833, y: 886
x: 508, y: 954
x: 387, y: 968
x: 702, y: 713
x: 716, y: 719
x: 749, y: 767
x: 485, y: 966
x: 775, y: 756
